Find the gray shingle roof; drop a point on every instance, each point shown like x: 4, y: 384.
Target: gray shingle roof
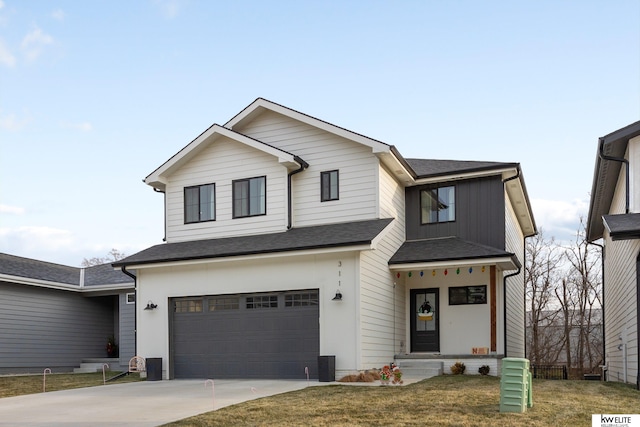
x: 425, y: 168
x: 28, y: 268
x: 623, y: 226
x: 104, y: 274
x: 444, y: 249
x: 33, y: 269
x: 303, y: 238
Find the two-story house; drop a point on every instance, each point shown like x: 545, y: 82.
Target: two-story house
x: 614, y: 217
x: 289, y: 238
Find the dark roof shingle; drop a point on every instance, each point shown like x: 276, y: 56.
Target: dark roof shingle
x: 12, y: 265
x: 444, y: 249
x: 623, y: 226
x: 425, y: 168
x: 303, y: 238
x: 28, y: 268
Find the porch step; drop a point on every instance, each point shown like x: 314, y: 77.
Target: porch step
x: 95, y: 365
x: 420, y: 368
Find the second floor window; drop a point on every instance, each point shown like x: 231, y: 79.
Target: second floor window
x: 200, y: 203
x: 438, y: 205
x: 250, y: 197
x: 329, y: 186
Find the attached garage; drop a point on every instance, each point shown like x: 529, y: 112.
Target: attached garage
x: 265, y: 335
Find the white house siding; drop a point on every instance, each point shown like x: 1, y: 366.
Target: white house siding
x: 222, y: 162
x: 633, y: 155
x: 338, y: 332
x: 382, y: 307
x: 358, y: 169
x: 621, y: 316
x: 514, y: 242
x: 621, y: 340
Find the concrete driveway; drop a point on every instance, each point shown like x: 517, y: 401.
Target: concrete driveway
x: 146, y: 403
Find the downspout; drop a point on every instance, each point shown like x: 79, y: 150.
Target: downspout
x: 303, y: 166
x: 135, y: 307
x: 604, y: 347
x: 626, y: 168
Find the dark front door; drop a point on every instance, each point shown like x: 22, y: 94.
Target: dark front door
x: 425, y: 335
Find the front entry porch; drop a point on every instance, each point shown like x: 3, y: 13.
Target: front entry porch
x: 423, y: 365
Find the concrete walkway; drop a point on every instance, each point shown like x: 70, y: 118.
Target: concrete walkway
x: 146, y: 403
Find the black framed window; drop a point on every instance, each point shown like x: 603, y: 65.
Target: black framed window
x: 438, y: 205
x: 200, y: 203
x: 468, y: 295
x: 329, y: 188
x: 250, y: 197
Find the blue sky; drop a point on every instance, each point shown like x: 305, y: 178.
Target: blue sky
x: 95, y: 95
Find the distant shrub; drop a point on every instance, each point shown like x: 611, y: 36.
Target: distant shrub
x: 458, y: 368
x: 484, y: 370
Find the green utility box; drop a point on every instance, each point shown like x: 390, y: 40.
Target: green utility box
x: 515, y: 385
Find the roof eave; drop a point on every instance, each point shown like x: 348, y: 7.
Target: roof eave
x: 158, y: 178
x: 601, y: 195
x: 241, y: 256
x: 509, y: 262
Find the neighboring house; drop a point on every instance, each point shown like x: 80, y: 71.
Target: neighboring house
x: 289, y: 238
x: 614, y: 217
x: 55, y: 316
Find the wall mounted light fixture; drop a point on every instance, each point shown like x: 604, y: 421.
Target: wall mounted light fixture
x: 338, y: 296
x: 151, y: 306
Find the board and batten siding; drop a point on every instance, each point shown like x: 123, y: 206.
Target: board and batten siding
x: 47, y: 328
x: 515, y: 305
x: 479, y: 212
x: 620, y: 289
x: 323, y: 151
x: 382, y: 304
x: 220, y: 163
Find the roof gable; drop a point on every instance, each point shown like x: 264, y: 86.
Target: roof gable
x: 385, y: 152
x: 158, y: 178
x: 605, y: 176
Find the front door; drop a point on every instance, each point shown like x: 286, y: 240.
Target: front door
x: 425, y: 335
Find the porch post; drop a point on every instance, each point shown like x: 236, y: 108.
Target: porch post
x: 494, y: 323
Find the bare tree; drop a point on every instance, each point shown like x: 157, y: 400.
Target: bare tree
x: 112, y: 256
x: 543, y: 264
x: 584, y: 277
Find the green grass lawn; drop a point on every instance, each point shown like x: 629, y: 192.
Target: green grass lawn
x: 17, y: 385
x: 460, y: 400
x: 441, y: 401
